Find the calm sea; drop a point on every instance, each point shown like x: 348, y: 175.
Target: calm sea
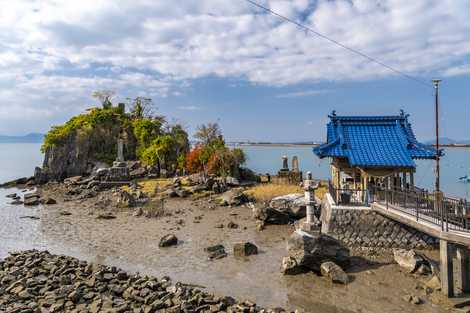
x: 18, y: 160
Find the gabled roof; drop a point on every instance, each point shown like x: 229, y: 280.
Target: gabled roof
x: 373, y: 141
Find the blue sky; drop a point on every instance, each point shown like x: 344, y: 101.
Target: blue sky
x: 216, y: 60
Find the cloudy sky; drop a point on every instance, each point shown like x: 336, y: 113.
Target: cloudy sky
x: 228, y: 61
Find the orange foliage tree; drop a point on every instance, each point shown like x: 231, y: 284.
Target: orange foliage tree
x: 193, y: 160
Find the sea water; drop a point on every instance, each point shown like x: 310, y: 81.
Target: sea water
x: 19, y: 160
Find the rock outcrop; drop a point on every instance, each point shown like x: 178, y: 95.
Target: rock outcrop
x: 80, y: 152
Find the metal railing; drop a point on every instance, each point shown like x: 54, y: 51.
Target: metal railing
x: 348, y: 196
x: 448, y: 213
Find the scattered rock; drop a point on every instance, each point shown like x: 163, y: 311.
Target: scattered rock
x: 232, y: 197
x: 65, y: 213
x: 138, y: 212
x: 31, y: 201
x: 290, y: 266
x: 311, y: 251
x: 125, y: 199
x: 334, y: 273
x: 408, y: 259
x: 48, y: 201
x: 65, y: 284
x: 216, y: 252
x: 232, y: 225
x: 31, y: 217
x: 242, y: 249
x: 413, y: 299
x: 232, y: 181
x: 75, y: 180
x: 106, y: 216
x: 182, y: 193
x: 434, y: 283
x: 168, y: 240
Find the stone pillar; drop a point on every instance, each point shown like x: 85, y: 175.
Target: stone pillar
x: 285, y: 163
x: 120, y: 150
x: 295, y: 164
x: 447, y: 271
x: 463, y: 269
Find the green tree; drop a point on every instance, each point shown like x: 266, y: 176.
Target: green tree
x: 159, y: 151
x: 207, y: 133
x: 142, y: 107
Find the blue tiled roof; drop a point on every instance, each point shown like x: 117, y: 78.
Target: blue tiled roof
x: 373, y: 141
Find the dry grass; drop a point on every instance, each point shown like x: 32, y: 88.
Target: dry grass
x: 149, y: 186
x: 265, y: 192
x: 320, y: 192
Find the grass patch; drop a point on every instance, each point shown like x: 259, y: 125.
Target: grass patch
x: 149, y: 186
x: 265, y: 192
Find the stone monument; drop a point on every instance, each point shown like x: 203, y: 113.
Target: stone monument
x: 295, y: 164
x: 312, y: 224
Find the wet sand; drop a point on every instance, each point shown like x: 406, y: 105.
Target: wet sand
x: 132, y: 243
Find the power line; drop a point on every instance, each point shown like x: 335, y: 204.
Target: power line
x: 308, y: 29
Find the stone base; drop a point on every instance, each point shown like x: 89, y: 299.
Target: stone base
x: 119, y: 164
x: 309, y: 228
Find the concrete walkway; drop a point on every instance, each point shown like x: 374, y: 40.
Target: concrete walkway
x: 454, y: 246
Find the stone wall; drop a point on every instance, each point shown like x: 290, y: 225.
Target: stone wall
x: 363, y: 227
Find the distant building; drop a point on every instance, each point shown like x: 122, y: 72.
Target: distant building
x: 371, y: 150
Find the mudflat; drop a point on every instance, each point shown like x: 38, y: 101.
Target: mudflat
x: 132, y: 243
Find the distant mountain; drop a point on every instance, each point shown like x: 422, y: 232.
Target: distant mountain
x: 448, y: 141
x: 29, y: 138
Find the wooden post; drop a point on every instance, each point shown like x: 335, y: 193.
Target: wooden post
x: 447, y: 271
x: 412, y: 181
x: 463, y: 269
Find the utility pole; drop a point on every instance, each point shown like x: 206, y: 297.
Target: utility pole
x: 436, y: 88
x: 437, y: 191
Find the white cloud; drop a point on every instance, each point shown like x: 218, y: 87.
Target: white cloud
x: 52, y: 52
x: 458, y: 70
x: 304, y: 93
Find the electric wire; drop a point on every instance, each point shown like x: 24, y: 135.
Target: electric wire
x: 352, y: 50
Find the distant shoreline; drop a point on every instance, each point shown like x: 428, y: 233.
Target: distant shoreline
x: 312, y: 145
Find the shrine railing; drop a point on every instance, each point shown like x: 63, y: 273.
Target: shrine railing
x: 448, y: 213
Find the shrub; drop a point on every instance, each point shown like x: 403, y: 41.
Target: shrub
x: 194, y: 160
x: 85, y: 123
x: 226, y: 162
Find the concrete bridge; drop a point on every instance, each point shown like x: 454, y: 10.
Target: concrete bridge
x: 454, y: 241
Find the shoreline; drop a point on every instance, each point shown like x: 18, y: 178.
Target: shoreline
x: 313, y: 145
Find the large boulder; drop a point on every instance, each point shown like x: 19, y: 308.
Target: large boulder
x: 408, y: 259
x: 292, y: 204
x: 311, y: 251
x: 269, y: 215
x: 232, y: 197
